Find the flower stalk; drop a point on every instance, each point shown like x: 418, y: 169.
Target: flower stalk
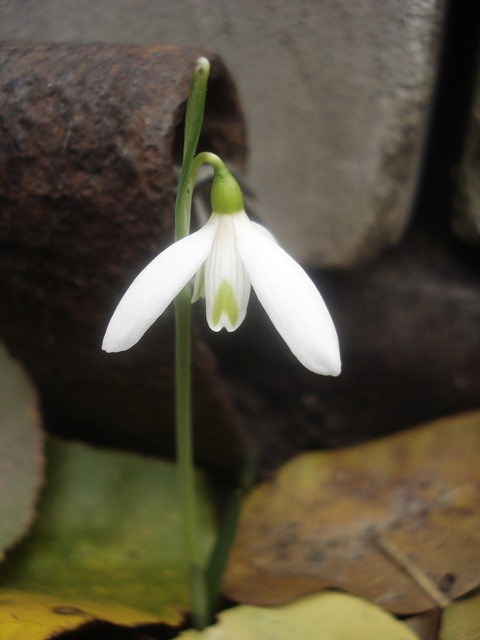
x: 183, y: 357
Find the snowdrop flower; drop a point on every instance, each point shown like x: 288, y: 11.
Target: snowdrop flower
x: 227, y: 256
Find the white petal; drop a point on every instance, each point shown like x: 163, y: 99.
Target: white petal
x: 262, y: 229
x: 290, y: 298
x: 227, y: 287
x: 155, y: 287
x: 199, y: 285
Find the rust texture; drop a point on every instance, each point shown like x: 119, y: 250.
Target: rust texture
x: 89, y: 136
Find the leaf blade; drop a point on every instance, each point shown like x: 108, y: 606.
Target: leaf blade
x: 331, y: 519
x: 108, y: 540
x: 326, y: 615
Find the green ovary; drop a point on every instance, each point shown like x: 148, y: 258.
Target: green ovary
x: 225, y: 302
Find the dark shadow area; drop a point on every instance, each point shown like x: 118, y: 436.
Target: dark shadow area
x: 452, y: 103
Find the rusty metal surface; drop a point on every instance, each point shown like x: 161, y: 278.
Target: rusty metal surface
x: 89, y: 135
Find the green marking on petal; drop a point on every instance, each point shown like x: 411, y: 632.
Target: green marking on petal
x: 225, y: 302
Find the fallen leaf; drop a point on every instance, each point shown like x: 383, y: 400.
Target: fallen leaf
x: 426, y: 625
x: 327, y: 615
x: 396, y: 521
x: 21, y: 446
x: 461, y: 620
x: 107, y: 545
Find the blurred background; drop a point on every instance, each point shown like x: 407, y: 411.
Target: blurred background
x: 362, y: 124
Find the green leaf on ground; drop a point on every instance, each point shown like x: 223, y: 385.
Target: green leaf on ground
x: 21, y: 446
x: 396, y: 521
x: 327, y: 615
x: 107, y: 545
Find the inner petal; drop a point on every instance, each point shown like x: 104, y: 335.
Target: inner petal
x: 227, y: 286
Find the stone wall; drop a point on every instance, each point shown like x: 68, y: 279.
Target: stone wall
x: 337, y: 95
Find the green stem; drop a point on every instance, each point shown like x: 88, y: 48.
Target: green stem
x: 183, y: 400
x: 201, y: 596
x: 226, y: 534
x: 207, y: 157
x: 193, y: 126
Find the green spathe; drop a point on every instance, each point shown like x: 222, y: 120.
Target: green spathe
x: 225, y: 302
x: 226, y: 196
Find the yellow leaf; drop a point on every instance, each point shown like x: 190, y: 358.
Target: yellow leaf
x: 461, y: 620
x: 327, y: 615
x: 33, y: 616
x: 42, y: 618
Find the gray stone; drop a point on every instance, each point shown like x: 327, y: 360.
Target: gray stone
x: 336, y: 95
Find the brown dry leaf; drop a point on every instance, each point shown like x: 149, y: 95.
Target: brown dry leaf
x: 396, y: 521
x: 426, y: 625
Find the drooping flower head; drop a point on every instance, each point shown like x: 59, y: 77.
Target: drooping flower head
x: 226, y: 257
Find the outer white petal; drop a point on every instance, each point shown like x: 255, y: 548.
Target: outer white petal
x: 224, y: 267
x: 262, y: 229
x: 290, y: 298
x: 155, y: 287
